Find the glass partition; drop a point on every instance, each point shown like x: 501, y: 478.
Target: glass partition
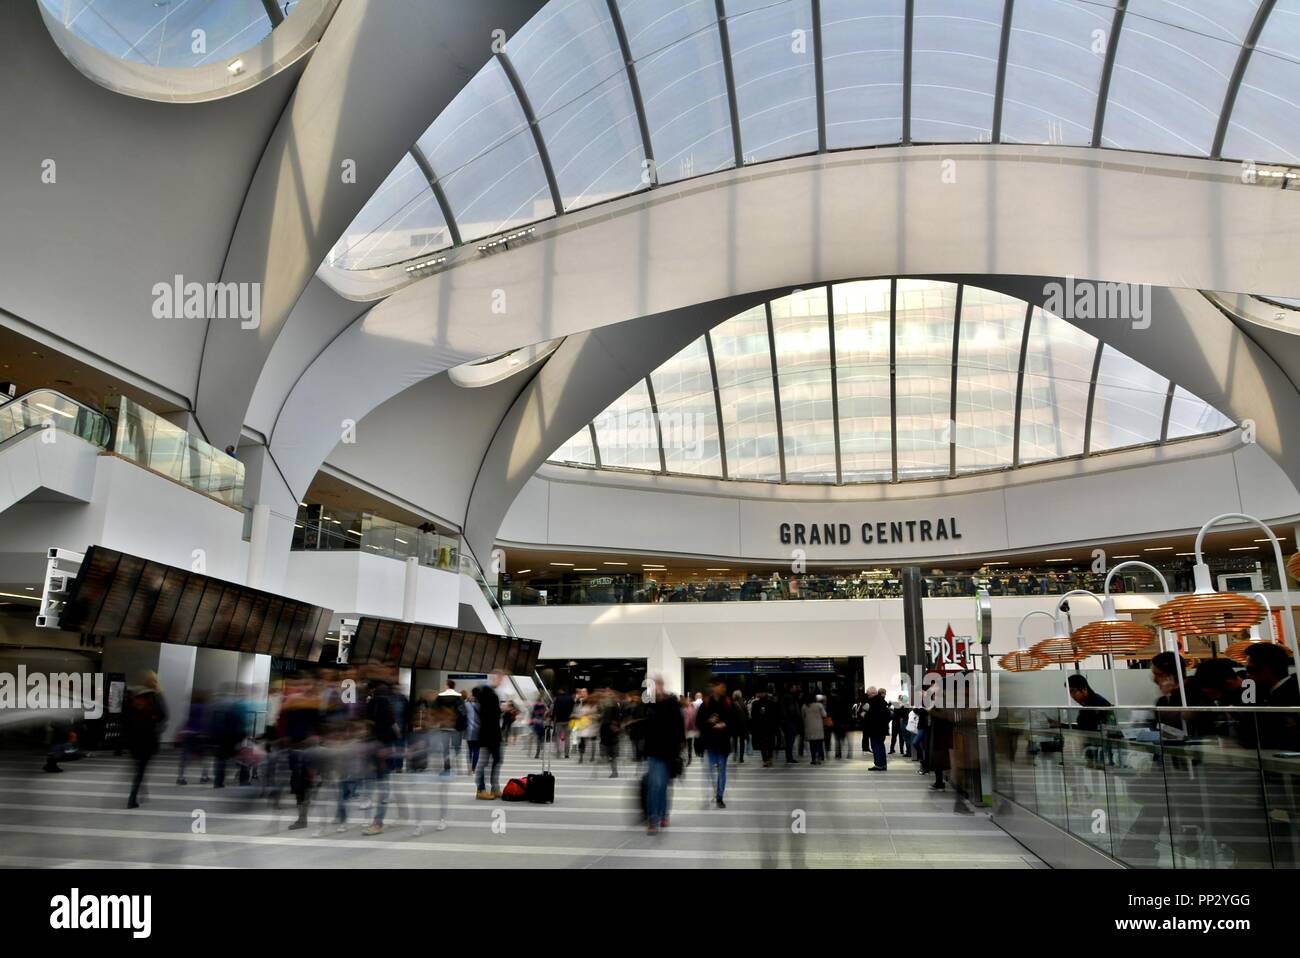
x: 47, y: 409
x: 1159, y: 787
x: 148, y: 440
x: 321, y: 528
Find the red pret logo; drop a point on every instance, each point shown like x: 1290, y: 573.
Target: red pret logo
x: 951, y: 652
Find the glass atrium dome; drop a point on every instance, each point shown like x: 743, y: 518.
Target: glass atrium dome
x: 799, y: 390
x: 596, y: 99
x: 170, y: 33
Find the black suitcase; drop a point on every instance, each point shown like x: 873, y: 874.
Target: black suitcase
x: 540, y: 788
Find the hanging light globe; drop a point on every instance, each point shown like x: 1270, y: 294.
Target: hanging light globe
x: 1059, y: 651
x: 1022, y: 660
x: 1114, y: 637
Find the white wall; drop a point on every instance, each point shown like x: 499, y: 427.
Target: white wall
x: 135, y: 511
x: 1065, y: 504
x: 872, y: 628
x: 371, y: 585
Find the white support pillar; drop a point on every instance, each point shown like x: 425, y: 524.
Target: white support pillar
x: 411, y: 592
x: 258, y: 542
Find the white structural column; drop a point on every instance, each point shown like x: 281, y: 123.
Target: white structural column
x: 411, y: 590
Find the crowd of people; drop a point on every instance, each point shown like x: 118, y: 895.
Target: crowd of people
x: 338, y: 736
x: 669, y: 733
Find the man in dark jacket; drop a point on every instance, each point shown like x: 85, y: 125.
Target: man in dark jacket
x: 876, y: 726
x: 662, y: 735
x: 840, y: 711
x: 715, y: 720
x: 898, y: 729
x: 145, y: 719
x: 489, y: 737
x: 764, y: 720
x: 561, y: 715
x: 791, y: 720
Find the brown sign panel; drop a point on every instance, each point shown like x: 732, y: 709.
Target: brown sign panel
x: 121, y: 595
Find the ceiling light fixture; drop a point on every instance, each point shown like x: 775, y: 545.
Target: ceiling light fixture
x: 235, y: 67
x: 1209, y: 613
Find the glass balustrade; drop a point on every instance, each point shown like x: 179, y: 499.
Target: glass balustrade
x: 321, y: 528
x: 148, y: 440
x: 1159, y: 788
x: 560, y: 587
x: 48, y: 409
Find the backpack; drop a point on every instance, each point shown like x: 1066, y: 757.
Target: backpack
x: 516, y: 790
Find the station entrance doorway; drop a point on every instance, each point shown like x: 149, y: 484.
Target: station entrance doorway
x: 815, y: 676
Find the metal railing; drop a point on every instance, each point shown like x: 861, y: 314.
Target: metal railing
x: 625, y: 588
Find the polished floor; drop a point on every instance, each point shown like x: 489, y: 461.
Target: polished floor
x: 836, y: 815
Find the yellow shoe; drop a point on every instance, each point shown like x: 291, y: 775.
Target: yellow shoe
x: 485, y: 796
x: 495, y: 794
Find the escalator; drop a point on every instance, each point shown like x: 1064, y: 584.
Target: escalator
x: 48, y: 446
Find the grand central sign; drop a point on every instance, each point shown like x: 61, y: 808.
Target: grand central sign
x: 869, y: 533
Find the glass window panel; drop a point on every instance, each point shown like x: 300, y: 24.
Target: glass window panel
x: 570, y: 65
x: 160, y: 34
x: 578, y: 449
x: 401, y: 221
x: 1171, y: 72
x: 988, y: 363
x: 862, y: 72
x: 773, y: 59
x: 1265, y: 123
x: 743, y: 358
x: 1053, y: 71
x: 1189, y: 415
x: 923, y: 361
x: 688, y: 418
x: 683, y: 86
x: 483, y: 153
x: 803, y: 364
x: 1054, y: 402
x: 1129, y: 405
x: 862, y: 378
x: 626, y: 433
x: 955, y: 47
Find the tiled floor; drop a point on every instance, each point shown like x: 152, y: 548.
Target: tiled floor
x: 837, y: 815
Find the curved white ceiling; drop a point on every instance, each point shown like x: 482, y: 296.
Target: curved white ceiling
x: 595, y: 99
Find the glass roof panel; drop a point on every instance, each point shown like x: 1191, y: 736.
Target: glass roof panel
x: 1054, y: 399
x: 1130, y: 403
x: 482, y: 151
x: 162, y: 32
x: 688, y: 418
x: 862, y: 71
x: 572, y: 71
x: 988, y: 362
x: 862, y: 378
x: 801, y: 326
x: 743, y: 357
x: 774, y: 63
x: 923, y: 375
x: 812, y: 364
x: 626, y: 433
x: 1189, y: 415
x: 678, y: 61
x: 577, y: 450
x: 1171, y: 73
x: 1265, y: 120
x: 955, y: 47
x: 1054, y: 62
x: 401, y: 221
